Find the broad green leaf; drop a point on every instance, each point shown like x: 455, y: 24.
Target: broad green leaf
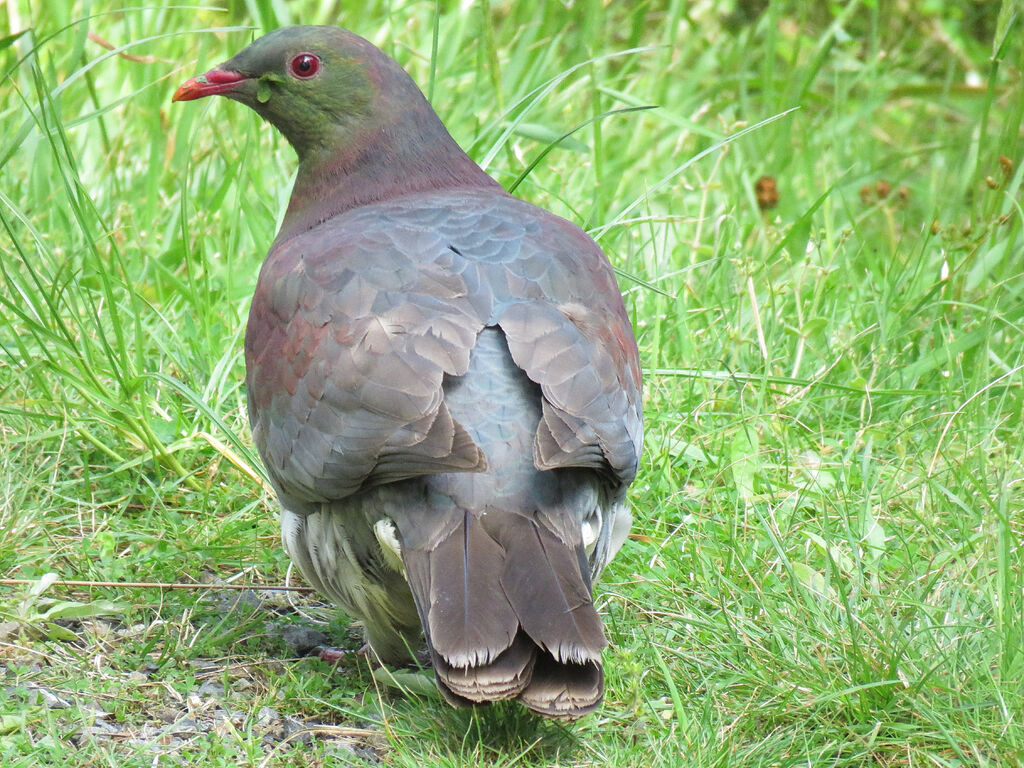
x: 744, y: 461
x: 874, y: 535
x: 13, y: 723
x: 44, y: 583
x: 813, y: 580
x: 57, y: 632
x: 69, y: 609
x: 407, y: 681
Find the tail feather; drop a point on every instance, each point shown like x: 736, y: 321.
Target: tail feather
x: 564, y: 690
x: 505, y: 677
x: 506, y: 609
x: 468, y: 627
x: 453, y: 577
x: 545, y: 585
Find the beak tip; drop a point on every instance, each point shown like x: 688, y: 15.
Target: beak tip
x: 187, y: 91
x: 216, y: 81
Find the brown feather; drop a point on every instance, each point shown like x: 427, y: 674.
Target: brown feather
x: 435, y: 443
x: 565, y: 441
x: 564, y: 690
x: 469, y: 622
x: 544, y: 583
x: 504, y: 677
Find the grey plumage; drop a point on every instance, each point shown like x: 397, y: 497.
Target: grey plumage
x: 443, y: 384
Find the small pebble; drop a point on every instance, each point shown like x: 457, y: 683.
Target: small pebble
x: 301, y: 640
x: 292, y: 726
x: 211, y: 688
x: 185, y: 725
x: 51, y: 699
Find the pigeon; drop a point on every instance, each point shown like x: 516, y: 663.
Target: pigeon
x: 443, y: 384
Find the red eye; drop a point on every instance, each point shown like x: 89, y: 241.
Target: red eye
x: 305, y: 65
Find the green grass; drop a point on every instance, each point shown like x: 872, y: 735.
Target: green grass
x: 826, y: 567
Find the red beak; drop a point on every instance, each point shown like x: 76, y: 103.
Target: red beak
x: 213, y: 82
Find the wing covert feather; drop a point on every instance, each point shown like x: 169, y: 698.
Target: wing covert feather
x: 357, y: 323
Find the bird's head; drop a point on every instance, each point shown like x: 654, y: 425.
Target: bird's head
x: 317, y: 85
x: 362, y: 129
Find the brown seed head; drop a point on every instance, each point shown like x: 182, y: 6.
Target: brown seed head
x: 767, y: 192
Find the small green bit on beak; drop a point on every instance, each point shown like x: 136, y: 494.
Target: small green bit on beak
x: 263, y: 90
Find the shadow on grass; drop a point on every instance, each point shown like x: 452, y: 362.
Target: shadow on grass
x: 504, y: 733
